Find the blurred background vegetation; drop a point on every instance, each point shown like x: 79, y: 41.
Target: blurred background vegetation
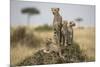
x: 44, y: 27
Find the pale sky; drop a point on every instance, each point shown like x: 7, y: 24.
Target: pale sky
x: 67, y: 11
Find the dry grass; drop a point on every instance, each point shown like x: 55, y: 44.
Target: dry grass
x: 19, y: 53
x: 84, y: 37
x: 86, y: 40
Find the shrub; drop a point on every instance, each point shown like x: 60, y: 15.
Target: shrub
x: 31, y: 40
x: 44, y: 27
x: 20, y: 35
x: 17, y: 35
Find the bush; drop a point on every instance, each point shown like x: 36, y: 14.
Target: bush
x: 20, y: 35
x: 31, y: 40
x: 17, y: 35
x: 44, y: 27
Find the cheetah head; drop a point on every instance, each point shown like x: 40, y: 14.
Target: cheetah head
x: 72, y: 24
x: 55, y: 11
x: 65, y: 23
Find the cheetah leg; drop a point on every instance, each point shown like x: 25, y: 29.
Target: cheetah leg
x: 60, y: 53
x: 66, y: 42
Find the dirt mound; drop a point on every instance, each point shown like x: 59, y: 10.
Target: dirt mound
x: 71, y: 54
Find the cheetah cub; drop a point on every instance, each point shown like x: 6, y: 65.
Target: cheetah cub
x: 65, y: 33
x: 70, y: 32
x: 50, y: 46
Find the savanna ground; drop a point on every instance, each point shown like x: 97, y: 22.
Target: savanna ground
x: 26, y: 45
